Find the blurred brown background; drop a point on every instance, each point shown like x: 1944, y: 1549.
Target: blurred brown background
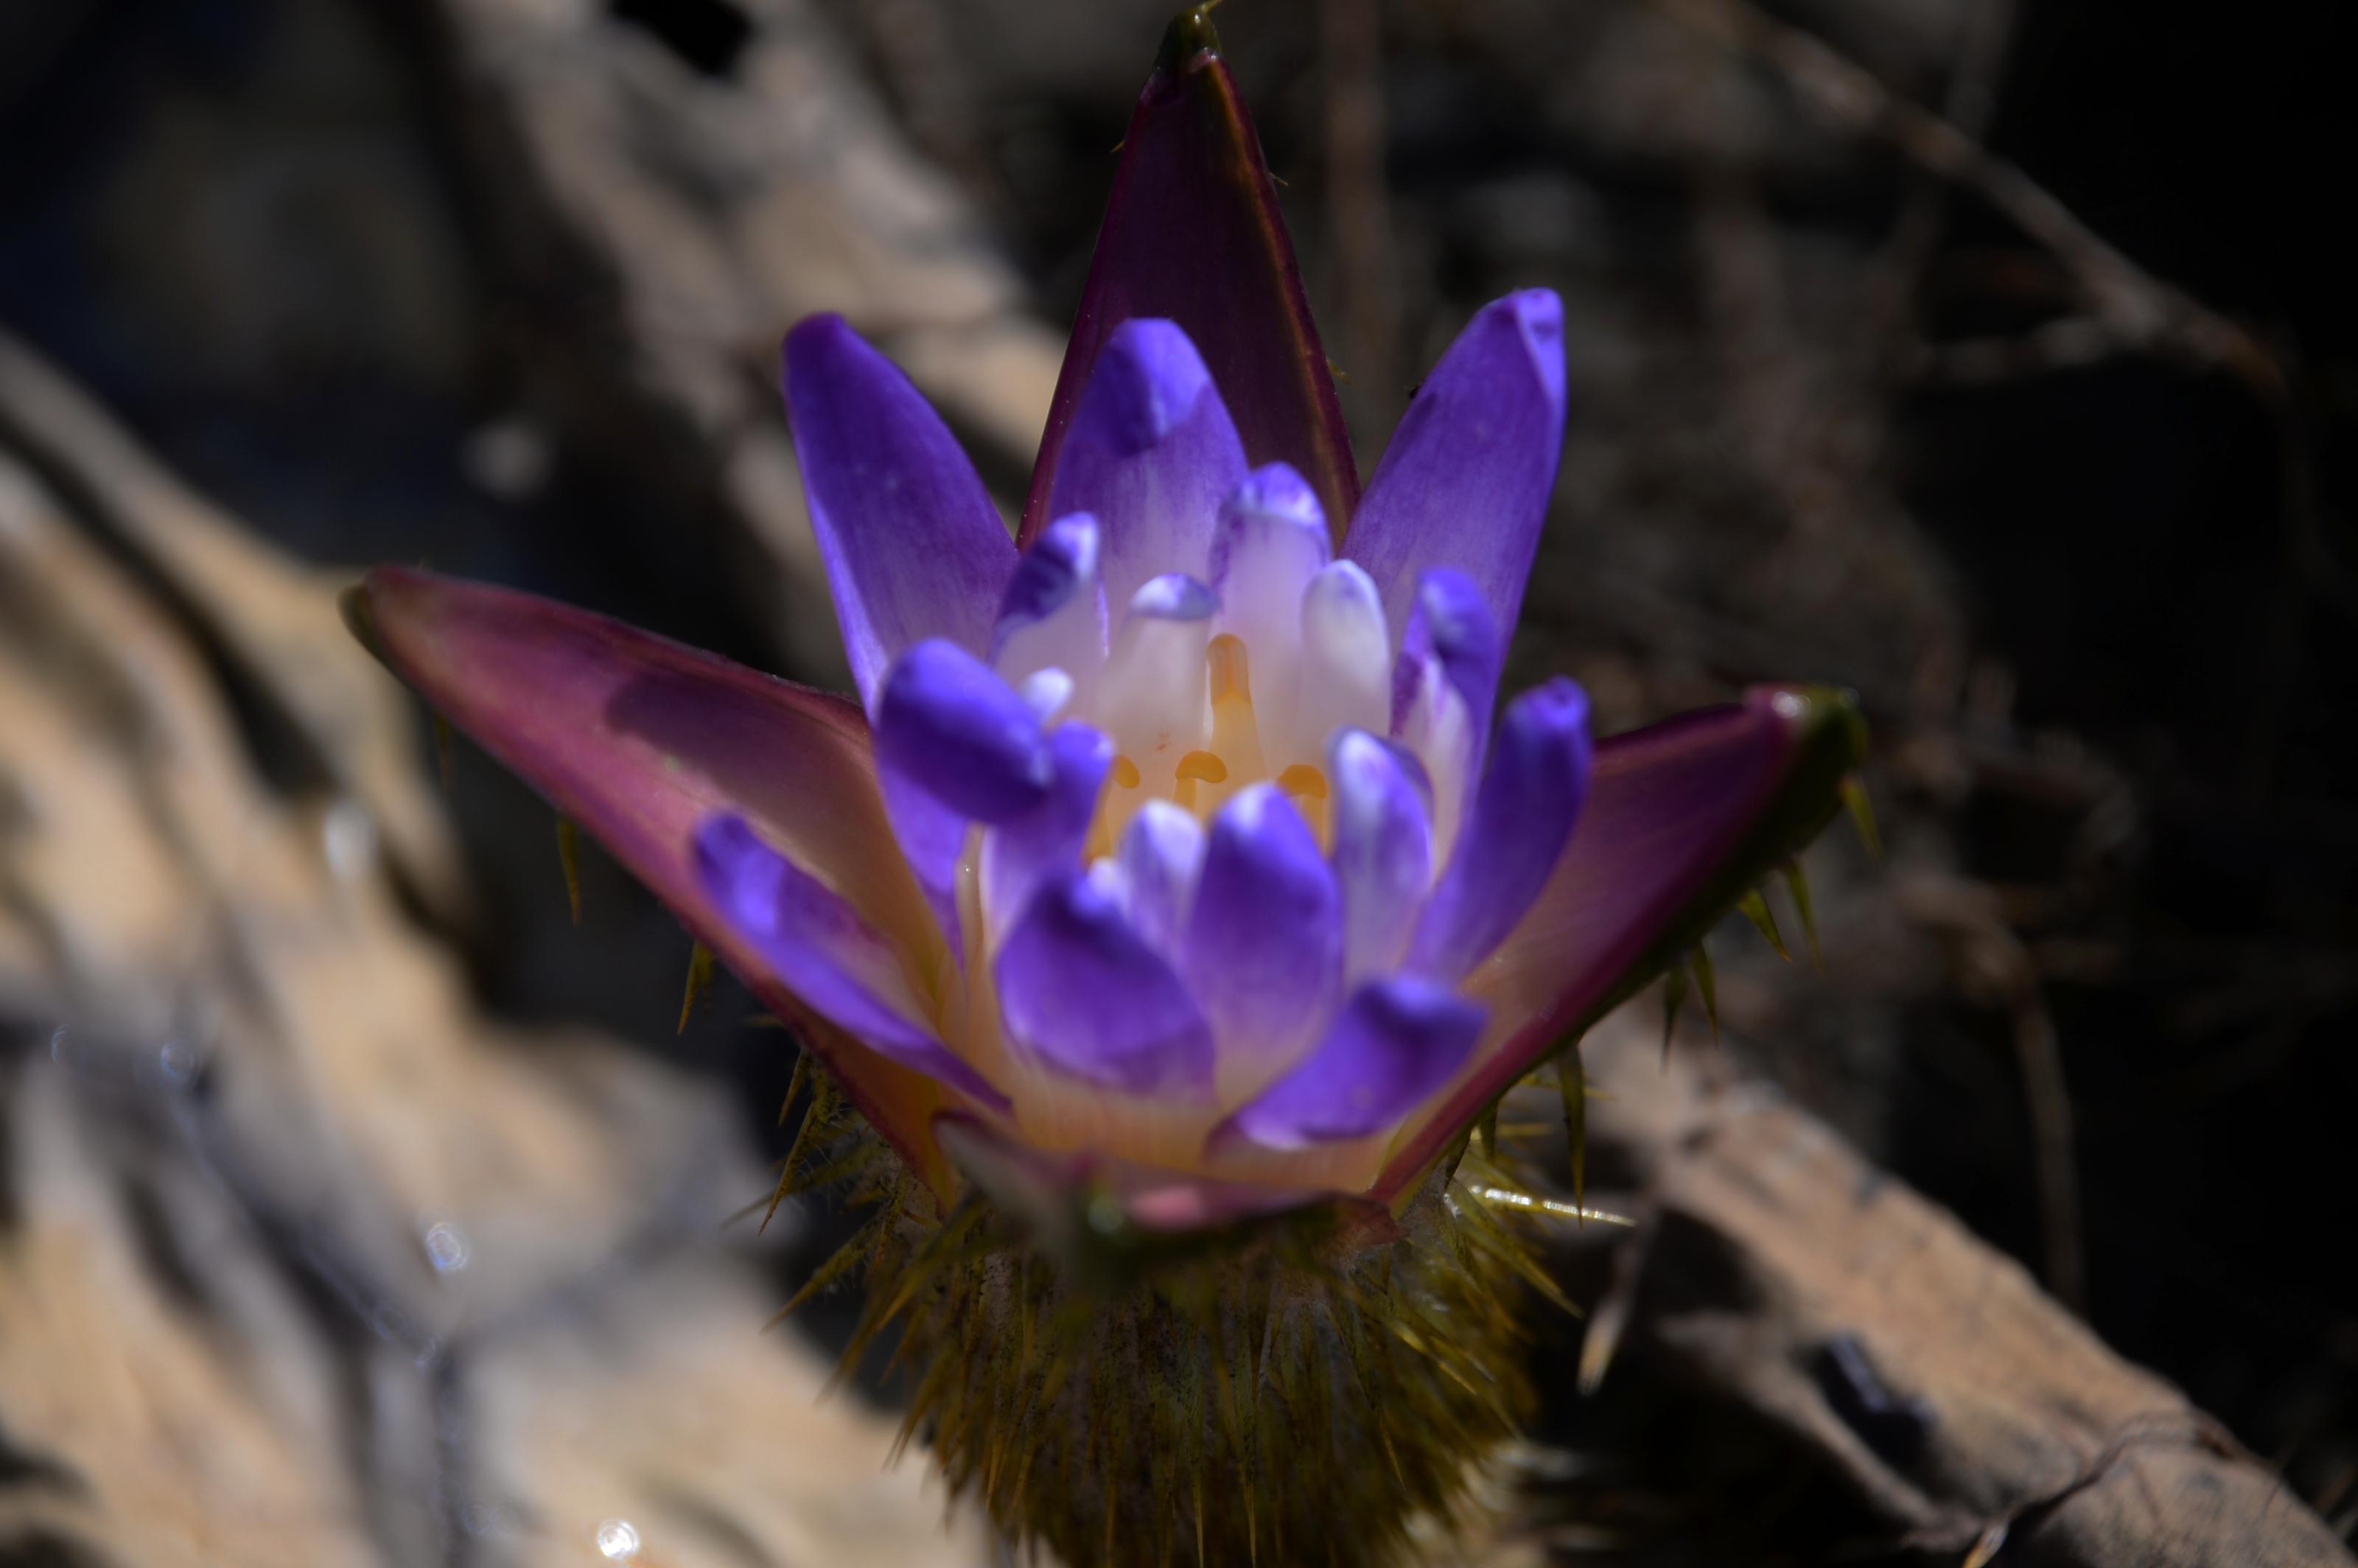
x: 1992, y: 357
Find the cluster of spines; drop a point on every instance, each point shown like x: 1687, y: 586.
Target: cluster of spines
x: 1285, y: 1396
x: 1692, y: 968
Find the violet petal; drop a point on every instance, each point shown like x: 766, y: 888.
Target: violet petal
x: 952, y: 727
x: 1046, y: 840
x: 1053, y: 615
x: 1264, y: 945
x: 1151, y: 455
x: 1531, y: 795
x: 1397, y: 1042
x: 1466, y: 479
x: 1162, y: 858
x: 822, y: 952
x: 1081, y: 992
x: 1382, y: 853
x: 913, y: 545
x: 1450, y: 623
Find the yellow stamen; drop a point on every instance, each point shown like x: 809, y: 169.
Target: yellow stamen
x: 1235, y: 733
x: 1117, y: 802
x: 1230, y: 670
x: 1211, y: 770
x: 1301, y: 780
x: 1195, y: 768
x: 1306, y: 787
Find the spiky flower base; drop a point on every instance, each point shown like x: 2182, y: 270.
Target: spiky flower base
x: 1292, y: 1395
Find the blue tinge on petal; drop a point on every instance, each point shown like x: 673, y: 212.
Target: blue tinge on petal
x: 1080, y: 993
x: 1451, y: 625
x: 1162, y: 858
x: 1382, y: 853
x: 1396, y: 1043
x: 1155, y: 701
x: 950, y: 726
x: 1151, y: 455
x: 1264, y: 944
x: 822, y: 952
x: 932, y: 837
x: 1347, y: 658
x: 1268, y: 541
x: 1272, y: 500
x: 913, y: 545
x: 1045, y: 842
x: 1466, y: 478
x: 1175, y: 596
x: 1053, y: 615
x: 1506, y: 849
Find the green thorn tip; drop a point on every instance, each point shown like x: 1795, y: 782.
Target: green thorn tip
x: 1707, y: 987
x: 699, y: 981
x: 568, y: 855
x: 1797, y: 883
x: 1191, y: 32
x: 1862, y: 815
x: 1756, y: 909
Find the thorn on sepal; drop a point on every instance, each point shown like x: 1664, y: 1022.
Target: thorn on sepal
x: 1756, y: 909
x: 1571, y: 1079
x: 1797, y: 883
x: 1191, y: 32
x: 700, y: 982
x: 1862, y: 815
x: 568, y: 855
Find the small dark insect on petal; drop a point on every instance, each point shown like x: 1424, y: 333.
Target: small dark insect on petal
x: 1893, y: 1425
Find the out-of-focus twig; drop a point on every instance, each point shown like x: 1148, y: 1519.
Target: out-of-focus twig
x: 2137, y: 311
x: 1986, y: 32
x: 1995, y: 968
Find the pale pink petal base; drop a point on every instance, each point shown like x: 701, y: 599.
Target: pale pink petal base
x: 640, y: 740
x: 1078, y: 1201
x: 1681, y: 820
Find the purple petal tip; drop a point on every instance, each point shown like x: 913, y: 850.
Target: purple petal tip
x: 1175, y: 596
x: 1081, y: 991
x: 1277, y: 490
x: 1151, y: 377
x: 1047, y: 574
x: 1539, y: 316
x: 1396, y: 1044
x: 962, y: 734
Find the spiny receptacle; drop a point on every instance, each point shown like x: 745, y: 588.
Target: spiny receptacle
x: 1296, y: 1392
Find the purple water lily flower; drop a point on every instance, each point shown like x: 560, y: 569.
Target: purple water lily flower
x: 1184, y: 843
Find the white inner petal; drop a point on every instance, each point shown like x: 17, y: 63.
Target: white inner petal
x: 1377, y: 917
x: 1347, y: 661
x: 1154, y: 702
x: 1071, y: 638
x: 1046, y: 692
x: 1269, y: 564
x: 1438, y: 727
x: 1162, y: 856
